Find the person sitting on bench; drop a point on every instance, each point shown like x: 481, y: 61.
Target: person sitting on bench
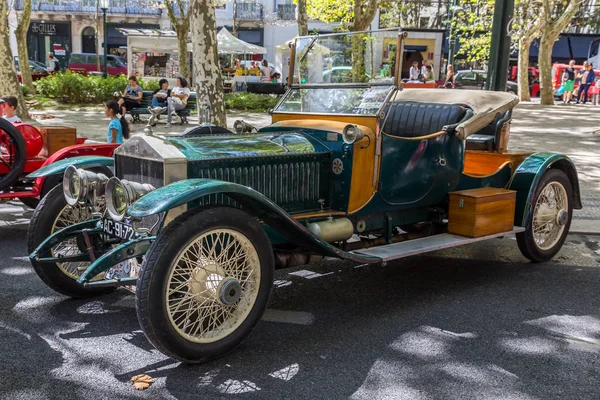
x: 178, y: 99
x: 131, y: 96
x: 159, y: 100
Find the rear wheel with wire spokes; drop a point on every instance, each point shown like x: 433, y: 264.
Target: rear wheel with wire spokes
x: 548, y: 224
x: 204, y: 284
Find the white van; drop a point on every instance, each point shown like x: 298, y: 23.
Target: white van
x: 594, y: 54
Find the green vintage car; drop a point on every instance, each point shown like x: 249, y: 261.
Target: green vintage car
x: 196, y: 223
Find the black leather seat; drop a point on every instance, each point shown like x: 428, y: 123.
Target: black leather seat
x: 412, y: 119
x: 487, y: 139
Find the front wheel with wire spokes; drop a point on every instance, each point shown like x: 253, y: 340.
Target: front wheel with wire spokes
x: 52, y: 214
x: 204, y: 284
x: 548, y: 224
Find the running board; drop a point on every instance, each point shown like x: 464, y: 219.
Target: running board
x: 413, y: 247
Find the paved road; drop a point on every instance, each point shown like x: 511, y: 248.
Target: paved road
x: 477, y: 322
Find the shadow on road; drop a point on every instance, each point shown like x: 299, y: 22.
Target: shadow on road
x: 459, y: 324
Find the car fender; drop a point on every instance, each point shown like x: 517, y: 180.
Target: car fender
x: 528, y: 174
x: 254, y: 203
x: 59, y: 167
x: 79, y: 150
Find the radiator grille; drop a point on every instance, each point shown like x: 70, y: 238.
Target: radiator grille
x: 292, y: 184
x: 139, y: 170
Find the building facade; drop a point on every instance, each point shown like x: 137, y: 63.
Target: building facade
x: 70, y: 26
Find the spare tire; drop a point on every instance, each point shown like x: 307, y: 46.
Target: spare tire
x: 13, y: 154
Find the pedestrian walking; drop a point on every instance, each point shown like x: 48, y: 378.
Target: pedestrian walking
x: 118, y: 128
x: 449, y: 82
x: 597, y: 92
x: 587, y: 79
x: 53, y: 66
x: 265, y: 71
x: 424, y: 69
x: 569, y: 82
x: 414, y: 73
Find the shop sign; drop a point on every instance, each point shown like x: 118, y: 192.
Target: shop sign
x: 59, y: 50
x: 49, y: 29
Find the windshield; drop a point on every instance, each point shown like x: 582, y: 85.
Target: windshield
x: 330, y: 59
x: 363, y: 101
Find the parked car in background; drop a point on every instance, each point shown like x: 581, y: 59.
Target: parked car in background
x: 533, y: 72
x: 534, y: 79
x: 474, y: 79
x: 38, y: 70
x: 85, y: 63
x: 340, y: 74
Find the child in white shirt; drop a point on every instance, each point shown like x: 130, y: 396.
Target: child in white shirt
x: 10, y: 104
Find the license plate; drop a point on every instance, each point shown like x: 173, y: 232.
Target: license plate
x: 118, y: 229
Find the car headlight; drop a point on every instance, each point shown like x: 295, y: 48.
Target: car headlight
x: 120, y: 194
x: 352, y: 133
x: 78, y: 183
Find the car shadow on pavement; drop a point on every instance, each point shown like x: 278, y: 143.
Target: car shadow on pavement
x: 462, y: 323
x: 433, y: 327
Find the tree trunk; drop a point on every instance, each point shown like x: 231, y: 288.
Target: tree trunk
x: 545, y: 63
x: 364, y: 12
x: 302, y: 18
x: 8, y: 74
x: 550, y: 32
x: 523, y: 70
x: 184, y: 62
x: 207, y: 74
x: 234, y: 18
x: 21, y: 33
x: 182, y: 27
x: 358, y: 58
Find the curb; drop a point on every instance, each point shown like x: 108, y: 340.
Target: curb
x: 585, y: 227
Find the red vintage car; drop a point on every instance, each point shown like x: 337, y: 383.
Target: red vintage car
x: 22, y: 151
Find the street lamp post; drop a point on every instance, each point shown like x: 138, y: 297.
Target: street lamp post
x: 451, y: 32
x: 500, y: 46
x: 104, y: 7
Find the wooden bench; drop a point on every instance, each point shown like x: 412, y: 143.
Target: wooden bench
x: 147, y: 102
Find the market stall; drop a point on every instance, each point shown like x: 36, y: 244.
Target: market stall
x: 152, y: 54
x: 229, y: 44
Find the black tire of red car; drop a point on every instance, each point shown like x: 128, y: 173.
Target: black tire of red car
x: 49, y: 183
x: 40, y: 228
x: 153, y: 282
x: 20, y: 154
x: 31, y: 202
x: 527, y: 244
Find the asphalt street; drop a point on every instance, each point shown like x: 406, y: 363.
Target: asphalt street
x: 477, y: 322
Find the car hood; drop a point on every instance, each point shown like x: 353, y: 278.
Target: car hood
x: 205, y: 147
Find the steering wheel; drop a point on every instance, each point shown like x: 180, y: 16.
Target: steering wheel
x: 13, y: 154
